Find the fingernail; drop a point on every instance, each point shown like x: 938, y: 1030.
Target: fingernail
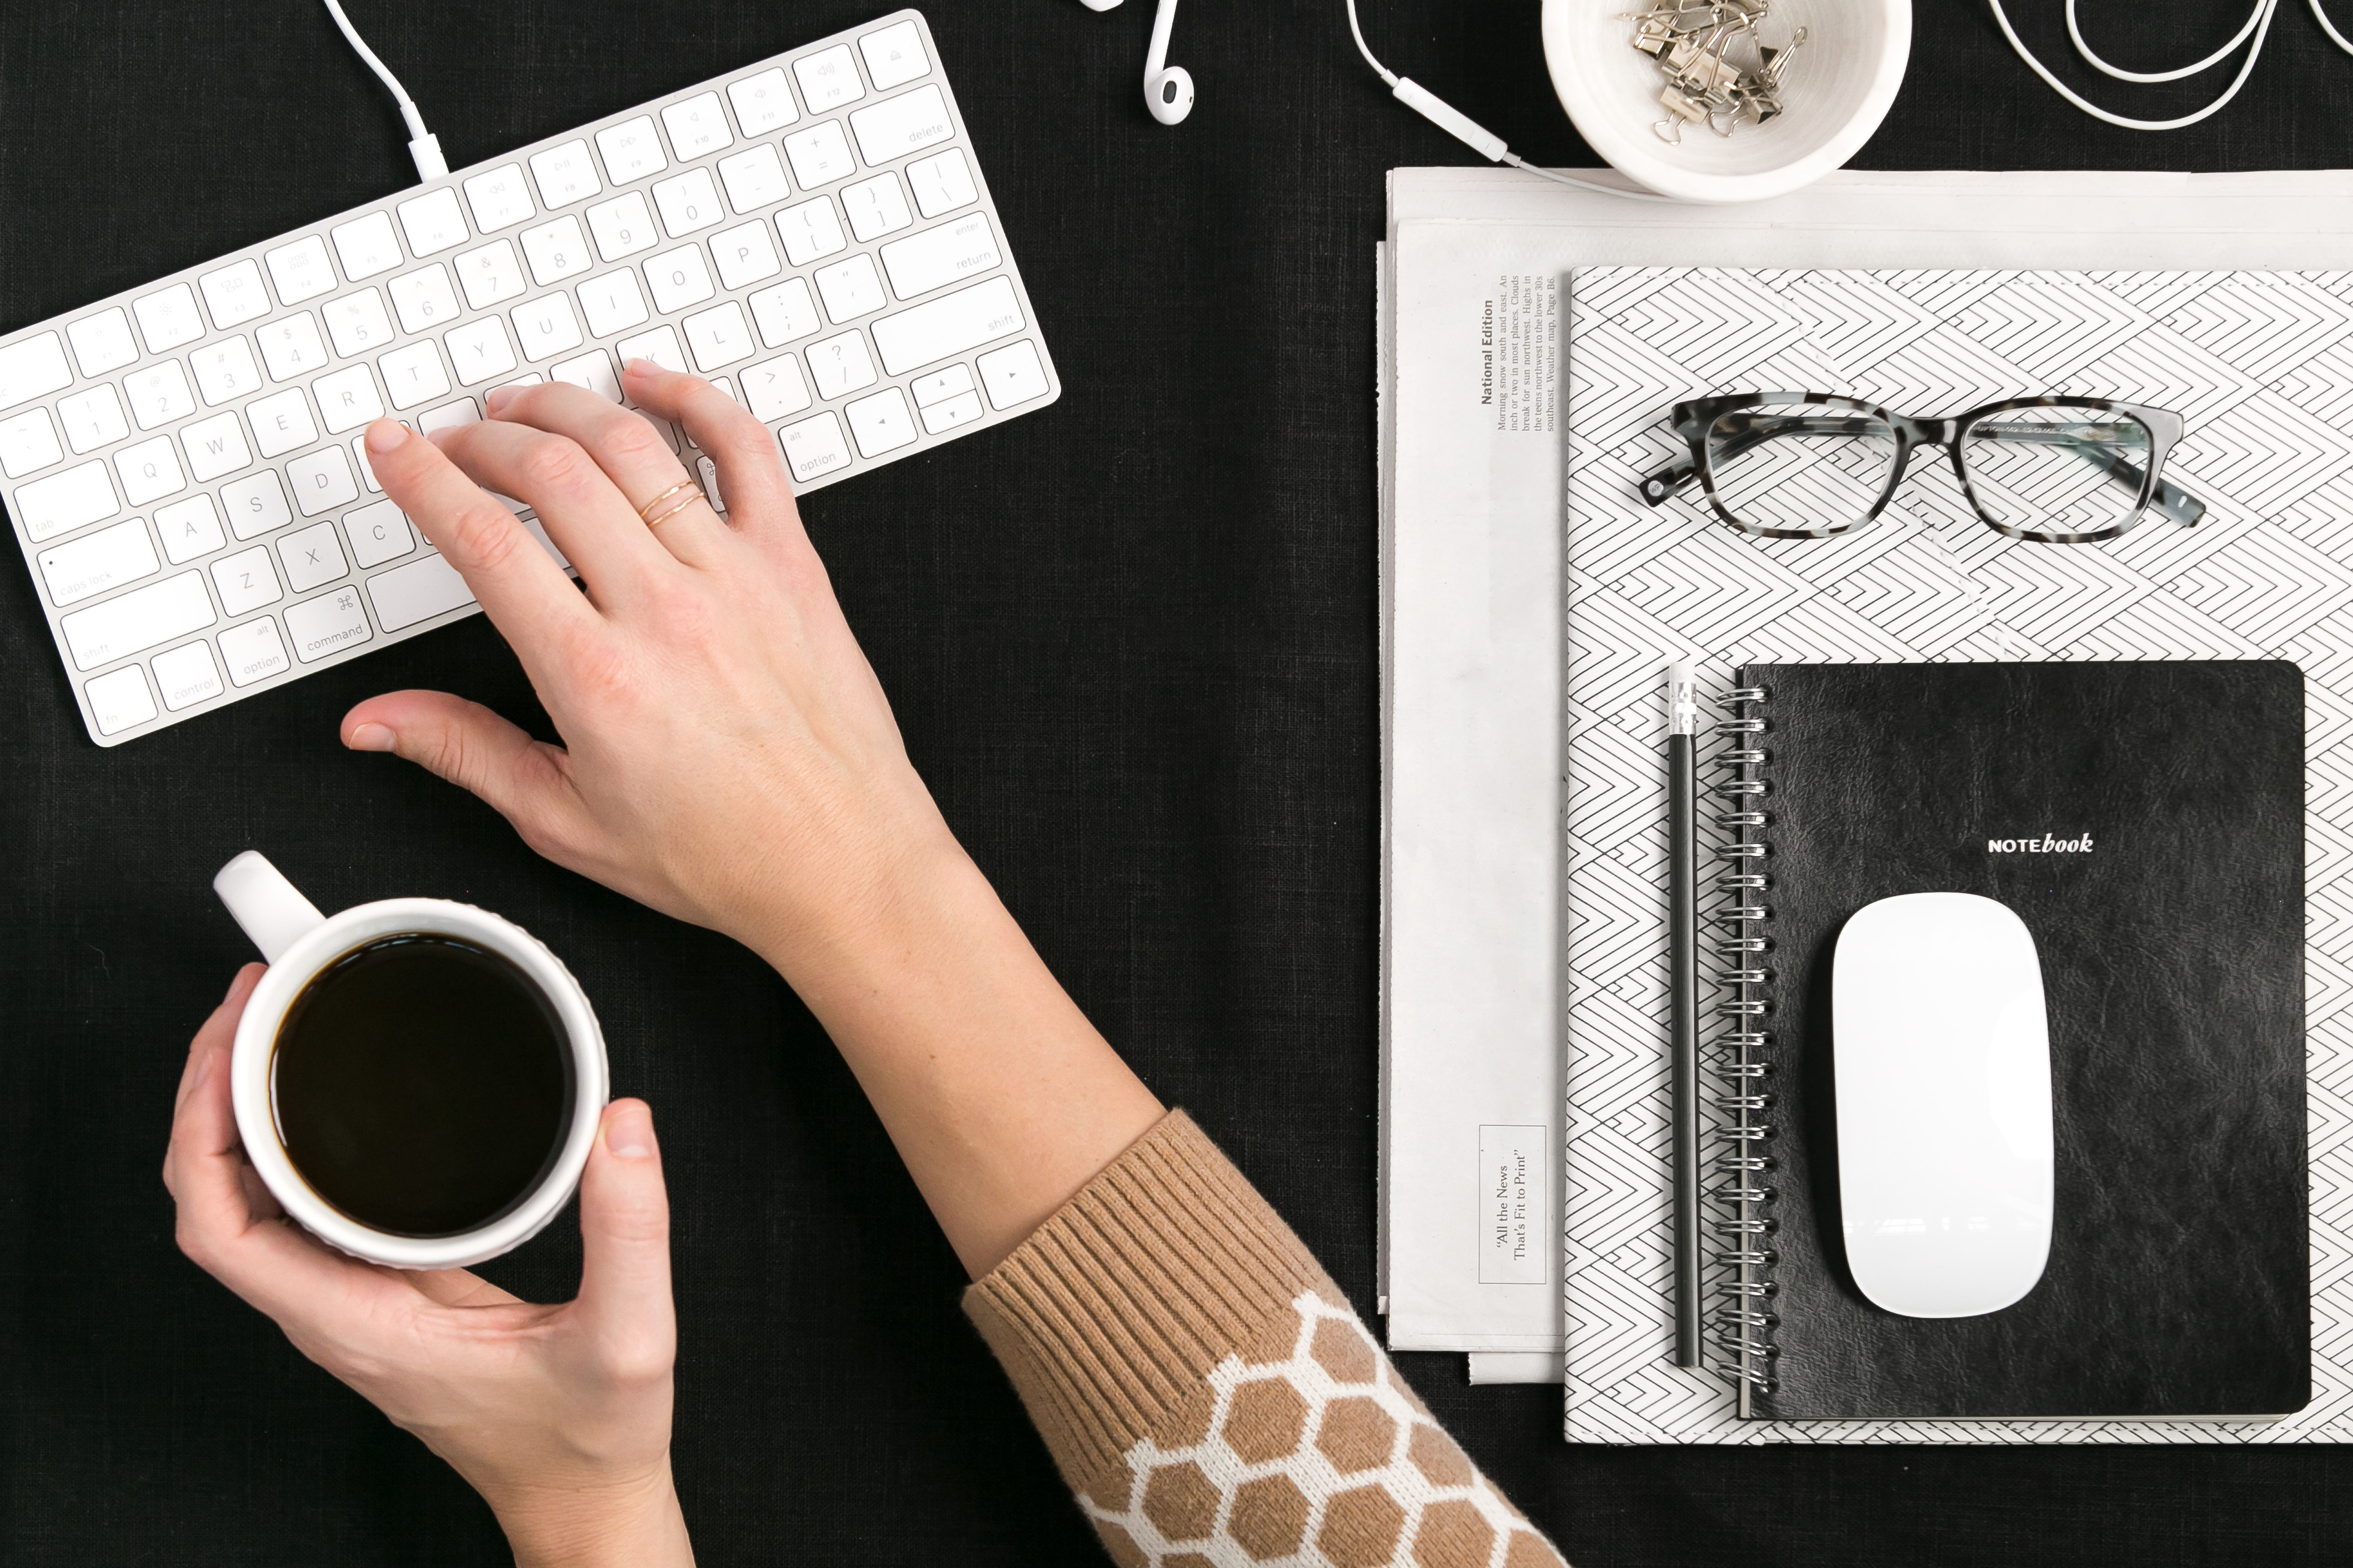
x: 203, y: 1070
x: 369, y: 738
x: 498, y: 397
x: 386, y: 435
x: 640, y: 366
x: 232, y: 984
x: 630, y: 1135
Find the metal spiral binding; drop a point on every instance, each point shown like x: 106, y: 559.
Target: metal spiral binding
x: 1742, y: 1328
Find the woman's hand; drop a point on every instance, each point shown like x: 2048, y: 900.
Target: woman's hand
x: 560, y: 1417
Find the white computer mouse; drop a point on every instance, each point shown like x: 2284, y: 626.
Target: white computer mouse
x: 1941, y: 1063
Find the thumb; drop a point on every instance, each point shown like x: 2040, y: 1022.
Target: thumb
x: 625, y: 1242
x: 522, y: 779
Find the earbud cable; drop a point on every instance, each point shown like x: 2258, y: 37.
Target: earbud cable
x: 424, y: 146
x: 2258, y: 23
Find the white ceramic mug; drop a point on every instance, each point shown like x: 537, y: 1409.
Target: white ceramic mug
x: 299, y: 943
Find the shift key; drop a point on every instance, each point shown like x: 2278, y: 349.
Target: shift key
x: 137, y: 621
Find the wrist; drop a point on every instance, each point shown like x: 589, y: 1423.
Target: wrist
x: 634, y: 1525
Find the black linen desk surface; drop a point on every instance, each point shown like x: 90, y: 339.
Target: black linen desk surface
x: 1131, y: 640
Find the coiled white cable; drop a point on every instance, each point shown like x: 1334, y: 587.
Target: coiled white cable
x: 424, y: 146
x: 2258, y: 23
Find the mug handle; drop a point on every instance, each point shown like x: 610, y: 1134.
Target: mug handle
x: 272, y: 910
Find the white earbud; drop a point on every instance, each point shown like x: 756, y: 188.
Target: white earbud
x: 1168, y: 90
x: 1098, y: 4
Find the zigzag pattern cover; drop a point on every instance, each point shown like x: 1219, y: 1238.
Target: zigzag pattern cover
x: 2261, y: 367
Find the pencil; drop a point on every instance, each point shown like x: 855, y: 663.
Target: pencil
x: 1682, y: 1018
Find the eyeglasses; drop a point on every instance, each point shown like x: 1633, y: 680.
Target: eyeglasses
x: 1811, y: 465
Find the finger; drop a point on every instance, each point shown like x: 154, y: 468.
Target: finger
x: 751, y: 469
x: 456, y: 1288
x: 521, y: 588
x: 625, y: 1244
x: 219, y: 1029
x: 584, y: 512
x: 527, y: 781
x: 632, y: 454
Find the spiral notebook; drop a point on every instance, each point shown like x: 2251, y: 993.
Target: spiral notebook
x: 2146, y: 822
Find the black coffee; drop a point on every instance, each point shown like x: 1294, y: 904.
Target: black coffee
x: 423, y: 1085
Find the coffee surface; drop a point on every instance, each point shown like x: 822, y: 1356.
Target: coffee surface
x: 422, y: 1084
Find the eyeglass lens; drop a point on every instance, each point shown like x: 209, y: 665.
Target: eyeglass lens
x: 1802, y: 467
x: 2057, y: 470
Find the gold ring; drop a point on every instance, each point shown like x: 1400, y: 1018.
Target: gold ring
x: 654, y: 521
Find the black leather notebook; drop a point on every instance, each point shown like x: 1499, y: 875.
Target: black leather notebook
x: 2178, y: 1282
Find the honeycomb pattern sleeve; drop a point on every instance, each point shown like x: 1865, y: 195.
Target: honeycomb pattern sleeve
x: 1208, y: 1395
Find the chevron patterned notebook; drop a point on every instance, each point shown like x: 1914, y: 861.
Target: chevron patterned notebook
x: 2260, y: 366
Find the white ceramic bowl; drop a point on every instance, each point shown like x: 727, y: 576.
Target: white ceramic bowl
x: 1837, y: 90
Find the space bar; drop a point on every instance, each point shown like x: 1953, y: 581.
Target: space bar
x: 419, y: 591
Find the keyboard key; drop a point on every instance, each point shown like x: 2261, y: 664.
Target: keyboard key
x: 773, y: 390
x: 938, y: 257
x: 952, y: 414
x: 225, y: 370
x: 881, y: 423
x: 876, y: 207
x: 907, y: 123
x: 302, y: 269
x: 282, y: 422
x: 679, y: 278
x: 356, y: 324
x: 689, y: 202
x: 150, y: 471
x: 347, y: 399
x: 216, y: 446
x: 465, y: 411
x: 247, y: 581
x: 424, y: 299
x: 367, y: 246
x: 941, y: 184
x: 592, y: 370
x: 63, y: 502
x: 708, y: 472
x: 253, y: 652
x: 119, y: 700
x: 556, y: 250
x: 186, y: 675
x: 234, y: 295
x: 785, y: 312
x: 850, y: 288
x: 566, y: 174
x: 94, y: 419
x: 840, y: 364
x: 612, y: 303
x: 312, y: 557
x: 632, y: 149
x: 98, y: 561
x: 489, y: 274
x: 327, y: 624
x: 500, y: 199
x: 820, y: 155
x: 414, y: 374
x: 754, y: 178
x: 813, y: 446
x: 480, y: 351
x: 379, y: 533
x: 697, y: 126
x: 29, y: 444
x: 290, y: 346
x: 255, y: 504
x: 366, y: 469
x: 829, y: 80
x: 135, y: 622
x: 546, y: 326
x: 809, y: 231
x: 36, y: 367
x: 745, y: 255
x: 433, y: 223
x: 101, y: 342
x: 623, y: 227
x: 169, y: 318
x: 660, y: 345
x: 940, y: 385
x: 321, y: 481
x: 189, y: 528
x: 159, y: 395
x: 948, y: 325
x: 762, y: 103
x: 416, y: 591
x: 719, y: 336
x: 894, y: 55
x: 1012, y: 375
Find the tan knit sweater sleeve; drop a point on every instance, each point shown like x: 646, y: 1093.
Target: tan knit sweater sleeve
x: 1207, y: 1393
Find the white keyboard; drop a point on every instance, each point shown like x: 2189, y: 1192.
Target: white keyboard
x: 183, y: 465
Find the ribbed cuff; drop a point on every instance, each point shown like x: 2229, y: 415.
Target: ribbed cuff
x: 1108, y: 1318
